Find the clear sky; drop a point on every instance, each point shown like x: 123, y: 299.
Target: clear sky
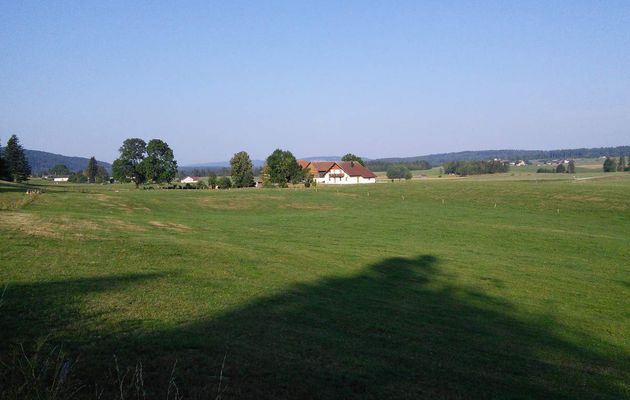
x: 382, y: 78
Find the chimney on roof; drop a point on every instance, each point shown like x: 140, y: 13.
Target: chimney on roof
x: 352, y: 164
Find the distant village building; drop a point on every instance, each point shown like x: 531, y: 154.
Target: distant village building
x: 338, y: 173
x: 190, y: 179
x: 61, y: 179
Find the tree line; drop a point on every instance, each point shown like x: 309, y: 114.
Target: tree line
x: 559, y: 169
x: 154, y: 162
x: 464, y: 168
x: 613, y: 165
x: 415, y: 165
x: 438, y: 159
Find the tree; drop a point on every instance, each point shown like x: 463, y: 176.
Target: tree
x: 78, y: 177
x: 224, y: 182
x: 17, y: 166
x: 560, y: 168
x: 571, y: 167
x: 397, y: 172
x: 622, y: 164
x: 59, y: 170
x: 242, y: 170
x: 101, y: 174
x: 283, y: 168
x: 91, y: 170
x: 3, y: 170
x: 128, y: 166
x: 212, y: 180
x: 610, y: 165
x: 160, y: 164
x: 352, y: 157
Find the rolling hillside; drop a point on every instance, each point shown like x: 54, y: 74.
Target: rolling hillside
x: 41, y: 161
x: 436, y: 159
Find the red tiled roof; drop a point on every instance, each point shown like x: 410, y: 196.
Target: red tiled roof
x: 303, y: 163
x: 323, y: 166
x: 353, y: 168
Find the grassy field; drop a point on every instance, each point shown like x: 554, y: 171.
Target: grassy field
x: 510, y: 286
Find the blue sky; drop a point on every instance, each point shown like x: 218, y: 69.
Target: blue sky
x: 378, y: 79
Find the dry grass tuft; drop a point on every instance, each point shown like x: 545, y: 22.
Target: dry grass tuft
x: 309, y: 207
x: 171, y: 225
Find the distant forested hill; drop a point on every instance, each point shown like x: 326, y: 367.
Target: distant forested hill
x: 42, y: 161
x: 437, y: 159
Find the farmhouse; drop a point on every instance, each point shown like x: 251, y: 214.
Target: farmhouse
x: 339, y: 173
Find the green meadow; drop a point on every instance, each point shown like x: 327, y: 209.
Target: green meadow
x: 507, y: 286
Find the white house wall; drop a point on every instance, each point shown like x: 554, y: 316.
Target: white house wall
x: 345, y: 180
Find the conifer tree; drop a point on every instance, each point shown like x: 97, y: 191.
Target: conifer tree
x: 17, y: 166
x: 92, y: 170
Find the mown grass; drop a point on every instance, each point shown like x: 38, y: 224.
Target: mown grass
x: 504, y: 287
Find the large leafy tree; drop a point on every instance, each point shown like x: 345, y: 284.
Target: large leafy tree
x: 352, y: 157
x: 128, y: 166
x: 571, y: 167
x: 283, y: 168
x: 92, y: 169
x: 160, y: 164
x: 242, y: 170
x: 17, y: 165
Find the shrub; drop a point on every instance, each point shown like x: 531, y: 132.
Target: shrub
x: 224, y: 182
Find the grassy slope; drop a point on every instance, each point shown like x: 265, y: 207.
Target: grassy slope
x: 339, y: 292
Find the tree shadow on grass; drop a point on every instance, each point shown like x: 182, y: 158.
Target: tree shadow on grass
x: 36, y: 310
x: 393, y: 331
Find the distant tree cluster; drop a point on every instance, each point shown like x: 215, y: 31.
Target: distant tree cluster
x: 13, y: 163
x: 559, y: 169
x: 416, y: 165
x: 59, y: 170
x: 398, y: 172
x: 613, y: 165
x: 187, y: 171
x: 139, y: 162
x: 464, y: 168
x: 352, y: 157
